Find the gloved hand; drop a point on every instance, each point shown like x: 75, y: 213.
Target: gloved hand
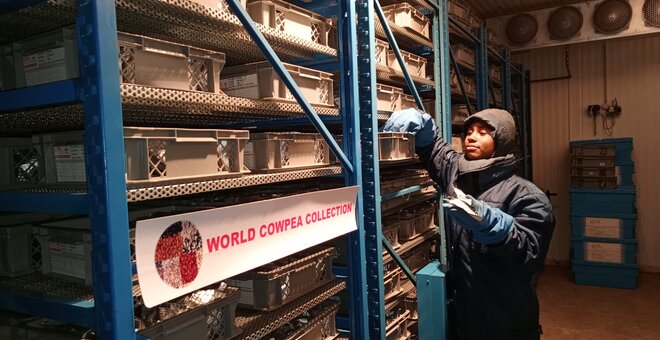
x: 494, y: 226
x: 414, y: 121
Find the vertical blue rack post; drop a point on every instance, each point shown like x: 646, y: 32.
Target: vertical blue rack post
x: 104, y: 163
x: 349, y: 101
x: 442, y: 95
x: 481, y: 54
x: 370, y: 167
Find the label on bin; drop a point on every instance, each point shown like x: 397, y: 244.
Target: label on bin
x: 604, y: 252
x: 602, y: 227
x: 179, y: 254
x: 67, y: 259
x: 246, y: 86
x: 45, y: 66
x: 70, y: 163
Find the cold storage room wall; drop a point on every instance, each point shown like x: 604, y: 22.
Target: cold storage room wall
x: 627, y: 69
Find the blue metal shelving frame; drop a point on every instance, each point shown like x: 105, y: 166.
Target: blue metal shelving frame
x: 106, y: 204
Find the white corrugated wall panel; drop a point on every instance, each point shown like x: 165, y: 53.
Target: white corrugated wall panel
x: 625, y: 69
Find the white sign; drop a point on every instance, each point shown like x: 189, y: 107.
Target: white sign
x: 179, y: 254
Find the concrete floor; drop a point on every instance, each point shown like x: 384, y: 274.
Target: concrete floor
x: 570, y: 311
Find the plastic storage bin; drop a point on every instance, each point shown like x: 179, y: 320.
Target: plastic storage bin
x: 495, y: 74
x: 260, y: 81
x: 152, y: 154
x: 418, y: 257
x: 603, y: 225
x: 620, y: 251
x: 388, y: 98
x: 415, y: 64
x: 407, y: 16
x: 66, y: 244
x: 212, y: 320
x: 381, y: 52
x: 43, y: 58
x: 493, y: 39
x: 464, y: 55
x: 281, y: 151
x: 275, y: 284
x: 603, y: 201
x: 458, y: 10
x: 408, y: 102
x: 622, y: 149
x: 218, y: 4
x: 605, y: 275
x: 290, y: 19
x: 316, y: 323
x: 16, y: 242
x: 474, y: 21
x: 392, y: 283
x: 396, y: 146
x: 459, y: 113
x: 19, y: 162
x: 158, y: 63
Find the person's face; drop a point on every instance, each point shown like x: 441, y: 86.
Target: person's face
x: 479, y: 144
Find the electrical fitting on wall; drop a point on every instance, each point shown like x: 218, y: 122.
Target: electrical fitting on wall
x: 609, y: 114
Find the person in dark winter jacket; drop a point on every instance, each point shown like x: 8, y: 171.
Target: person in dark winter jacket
x: 496, y: 250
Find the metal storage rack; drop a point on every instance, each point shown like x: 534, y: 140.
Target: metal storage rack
x: 513, y: 84
x: 97, y: 100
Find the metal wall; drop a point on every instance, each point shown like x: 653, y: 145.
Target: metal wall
x: 627, y: 69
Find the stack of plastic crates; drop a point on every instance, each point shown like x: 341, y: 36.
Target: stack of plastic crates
x: 603, y: 213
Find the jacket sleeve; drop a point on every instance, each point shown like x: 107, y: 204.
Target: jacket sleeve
x: 441, y: 161
x: 527, y: 243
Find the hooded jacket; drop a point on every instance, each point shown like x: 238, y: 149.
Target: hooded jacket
x: 494, y: 294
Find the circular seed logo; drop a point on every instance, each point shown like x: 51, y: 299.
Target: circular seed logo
x: 179, y: 254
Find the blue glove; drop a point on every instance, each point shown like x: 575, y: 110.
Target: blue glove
x: 494, y: 226
x: 413, y: 121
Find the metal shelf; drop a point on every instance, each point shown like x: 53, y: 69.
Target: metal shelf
x: 256, y: 325
x: 71, y: 198
x: 411, y: 244
x: 144, y: 105
x: 49, y: 297
x: 180, y: 21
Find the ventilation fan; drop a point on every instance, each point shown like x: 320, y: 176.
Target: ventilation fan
x: 521, y: 28
x: 612, y: 16
x: 651, y: 10
x: 564, y: 23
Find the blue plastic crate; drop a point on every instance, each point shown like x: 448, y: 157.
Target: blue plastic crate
x: 623, y: 147
x: 614, y: 226
x: 605, y: 275
x: 603, y: 201
x: 603, y: 250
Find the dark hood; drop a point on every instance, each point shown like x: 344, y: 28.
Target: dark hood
x: 505, y: 129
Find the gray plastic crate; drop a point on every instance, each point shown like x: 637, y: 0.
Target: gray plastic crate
x: 19, y: 162
x: 145, y: 61
x: 152, y: 154
x: 218, y: 4
x: 381, y: 50
x: 317, y: 323
x: 260, y: 81
x: 16, y: 242
x: 593, y: 161
x: 189, y: 318
x: 275, y: 284
x: 397, y: 329
x: 415, y: 64
x: 396, y: 146
x: 420, y: 256
x: 388, y: 98
x: 458, y: 10
x: 282, y: 151
x: 495, y: 73
x: 415, y: 221
x: 407, y: 16
x: 392, y: 283
x: 464, y: 55
x: 290, y: 19
x: 44, y: 58
x: 66, y: 244
x: 158, y: 63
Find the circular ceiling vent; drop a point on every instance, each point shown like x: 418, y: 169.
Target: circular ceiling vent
x: 612, y: 16
x: 521, y: 29
x: 564, y: 23
x: 651, y: 10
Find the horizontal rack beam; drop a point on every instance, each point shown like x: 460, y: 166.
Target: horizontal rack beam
x: 40, y: 200
x: 57, y: 93
x: 49, y: 297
